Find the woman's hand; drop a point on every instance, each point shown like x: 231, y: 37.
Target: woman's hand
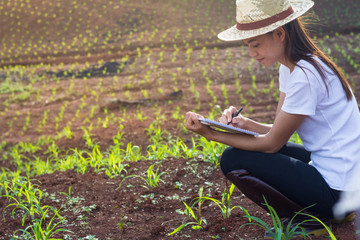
x: 193, y: 124
x: 239, y: 121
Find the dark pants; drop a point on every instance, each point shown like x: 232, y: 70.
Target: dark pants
x: 287, y: 171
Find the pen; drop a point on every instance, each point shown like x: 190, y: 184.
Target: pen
x: 236, y: 114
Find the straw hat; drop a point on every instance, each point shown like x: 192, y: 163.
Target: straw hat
x: 257, y: 17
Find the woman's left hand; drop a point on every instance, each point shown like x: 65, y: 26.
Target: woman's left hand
x: 193, y: 124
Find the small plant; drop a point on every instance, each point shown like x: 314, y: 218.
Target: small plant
x: 281, y: 232
x: 224, y: 204
x: 115, y: 167
x: 87, y: 137
x: 27, y: 197
x: 37, y: 230
x: 211, y: 150
x: 122, y: 224
x: 68, y: 195
x: 68, y: 133
x: 153, y: 178
x: 295, y: 138
x: 196, y: 223
x: 225, y: 93
x: 332, y: 236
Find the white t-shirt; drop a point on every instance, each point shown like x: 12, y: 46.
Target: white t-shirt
x: 331, y: 130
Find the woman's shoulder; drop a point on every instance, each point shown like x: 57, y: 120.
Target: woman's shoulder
x: 284, y: 70
x: 311, y: 69
x: 308, y: 64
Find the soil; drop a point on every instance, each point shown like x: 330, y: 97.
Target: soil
x: 151, y: 214
x: 101, y: 206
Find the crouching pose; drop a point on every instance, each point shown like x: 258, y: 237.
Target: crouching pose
x: 315, y: 100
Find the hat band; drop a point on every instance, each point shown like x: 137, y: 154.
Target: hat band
x: 265, y: 22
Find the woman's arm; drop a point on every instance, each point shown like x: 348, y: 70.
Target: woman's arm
x: 272, y: 137
x: 247, y: 123
x: 284, y: 126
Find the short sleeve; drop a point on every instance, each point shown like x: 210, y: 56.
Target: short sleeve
x: 301, y: 97
x: 284, y: 74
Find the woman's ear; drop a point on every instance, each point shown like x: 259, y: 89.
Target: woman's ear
x: 279, y: 33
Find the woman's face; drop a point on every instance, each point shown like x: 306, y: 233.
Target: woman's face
x: 267, y: 49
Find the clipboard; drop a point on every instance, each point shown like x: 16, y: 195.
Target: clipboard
x: 225, y: 127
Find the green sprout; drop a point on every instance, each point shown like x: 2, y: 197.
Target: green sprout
x: 282, y: 232
x: 196, y: 223
x: 224, y: 204
x: 37, y: 231
x: 153, y: 178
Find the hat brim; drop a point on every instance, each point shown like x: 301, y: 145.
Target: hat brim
x: 233, y: 34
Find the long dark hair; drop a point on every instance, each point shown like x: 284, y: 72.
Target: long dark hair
x: 299, y: 45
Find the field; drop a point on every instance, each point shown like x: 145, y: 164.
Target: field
x: 93, y: 96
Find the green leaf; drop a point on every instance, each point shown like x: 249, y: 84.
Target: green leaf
x: 189, y: 209
x: 196, y: 227
x: 181, y: 227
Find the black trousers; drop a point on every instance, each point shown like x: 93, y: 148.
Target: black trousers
x: 287, y: 171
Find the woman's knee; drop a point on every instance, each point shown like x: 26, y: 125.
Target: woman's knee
x: 230, y: 160
x: 235, y: 159
x: 225, y: 159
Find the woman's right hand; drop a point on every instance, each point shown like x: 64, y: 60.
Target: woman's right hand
x: 227, y: 116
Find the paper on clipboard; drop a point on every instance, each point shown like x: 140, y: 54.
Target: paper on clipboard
x: 225, y: 127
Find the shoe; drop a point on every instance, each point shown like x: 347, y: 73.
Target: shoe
x: 303, y: 223
x: 350, y: 217
x: 256, y: 190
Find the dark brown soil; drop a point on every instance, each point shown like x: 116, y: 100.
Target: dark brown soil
x: 150, y: 214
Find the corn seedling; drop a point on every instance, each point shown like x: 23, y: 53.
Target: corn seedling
x: 132, y: 153
x: 295, y: 138
x: 68, y: 194
x: 87, y: 137
x: 225, y: 93
x: 37, y: 231
x: 176, y: 115
x: 43, y: 121
x: 332, y: 236
x: 211, y: 151
x: 122, y: 224
x: 26, y: 197
x: 67, y: 132
x: 281, y: 232
x: 224, y: 204
x: 3, y: 177
x: 153, y: 178
x: 115, y: 167
x: 26, y: 147
x: 53, y: 150
x: 156, y: 134
x: 196, y: 223
x: 158, y: 151
x: 179, y: 149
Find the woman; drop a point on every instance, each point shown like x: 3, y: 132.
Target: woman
x: 315, y: 100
